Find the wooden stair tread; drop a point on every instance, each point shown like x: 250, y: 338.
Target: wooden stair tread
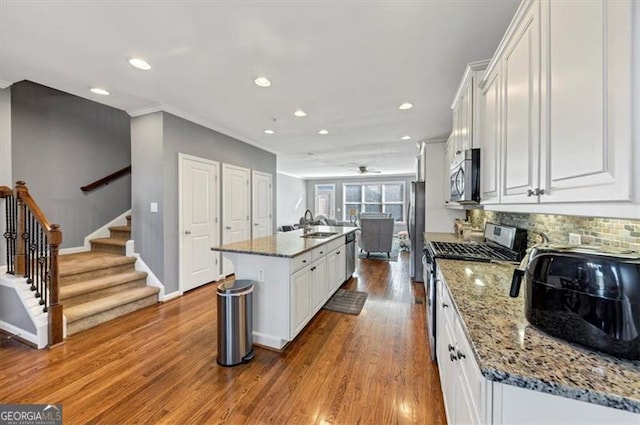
x: 109, y: 241
x: 87, y: 261
x: 120, y: 228
x: 91, y: 308
x: 88, y: 286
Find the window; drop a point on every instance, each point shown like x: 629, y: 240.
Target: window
x: 374, y: 197
x: 325, y: 201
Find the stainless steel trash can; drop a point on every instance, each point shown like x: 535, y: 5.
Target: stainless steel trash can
x: 235, y: 322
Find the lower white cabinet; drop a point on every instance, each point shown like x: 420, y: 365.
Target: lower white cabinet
x: 319, y: 284
x: 300, y: 299
x: 463, y: 387
x: 336, y: 269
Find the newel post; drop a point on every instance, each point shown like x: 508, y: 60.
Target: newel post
x: 21, y: 188
x: 55, y: 308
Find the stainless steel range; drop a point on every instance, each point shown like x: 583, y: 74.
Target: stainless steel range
x: 502, y: 243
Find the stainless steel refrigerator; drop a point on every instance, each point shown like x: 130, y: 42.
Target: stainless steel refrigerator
x: 416, y: 229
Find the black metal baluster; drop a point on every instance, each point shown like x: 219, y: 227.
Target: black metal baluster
x: 41, y: 265
x: 33, y: 255
x: 27, y: 246
x: 10, y: 233
x: 47, y: 271
x: 7, y: 231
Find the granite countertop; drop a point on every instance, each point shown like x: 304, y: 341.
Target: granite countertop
x: 286, y: 244
x: 442, y: 237
x: 509, y: 350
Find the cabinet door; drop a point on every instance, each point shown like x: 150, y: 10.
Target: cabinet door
x: 332, y: 271
x: 444, y: 347
x: 300, y: 300
x: 465, y: 117
x: 489, y: 138
x: 319, y: 284
x: 587, y: 101
x: 521, y: 112
x: 342, y: 267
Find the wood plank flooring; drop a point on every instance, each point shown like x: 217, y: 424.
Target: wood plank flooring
x: 158, y: 366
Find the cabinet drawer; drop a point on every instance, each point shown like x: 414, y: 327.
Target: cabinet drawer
x: 319, y: 252
x: 335, y: 244
x: 299, y: 261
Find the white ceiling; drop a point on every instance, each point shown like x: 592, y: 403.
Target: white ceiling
x: 348, y: 64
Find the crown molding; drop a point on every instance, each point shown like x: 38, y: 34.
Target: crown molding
x: 145, y: 111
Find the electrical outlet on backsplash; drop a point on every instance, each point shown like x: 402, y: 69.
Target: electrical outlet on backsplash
x: 619, y: 233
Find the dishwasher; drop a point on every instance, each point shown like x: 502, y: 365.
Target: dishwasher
x: 350, y: 248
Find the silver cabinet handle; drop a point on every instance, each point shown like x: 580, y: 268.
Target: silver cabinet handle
x: 445, y: 305
x: 227, y: 227
x: 187, y: 232
x: 453, y: 357
x: 538, y: 192
x: 530, y: 192
x: 451, y: 347
x: 460, y: 355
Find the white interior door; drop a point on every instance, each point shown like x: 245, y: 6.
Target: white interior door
x: 235, y: 208
x: 262, y: 205
x: 199, y: 200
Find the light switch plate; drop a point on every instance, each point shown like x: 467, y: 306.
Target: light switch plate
x: 153, y: 207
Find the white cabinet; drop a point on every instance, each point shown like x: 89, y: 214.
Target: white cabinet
x: 319, y: 283
x: 489, y: 140
x: 521, y: 117
x: 562, y: 88
x: 464, y: 106
x: 336, y: 269
x: 463, y: 387
x: 587, y: 98
x: 300, y: 299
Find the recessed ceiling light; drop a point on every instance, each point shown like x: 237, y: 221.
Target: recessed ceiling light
x: 405, y: 106
x: 269, y: 131
x: 98, y: 90
x: 262, y: 82
x: 300, y: 113
x: 140, y: 63
x: 406, y: 137
x: 323, y: 132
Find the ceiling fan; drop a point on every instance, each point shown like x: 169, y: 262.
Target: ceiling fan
x: 364, y: 170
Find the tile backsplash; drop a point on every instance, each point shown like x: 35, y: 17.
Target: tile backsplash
x: 621, y: 233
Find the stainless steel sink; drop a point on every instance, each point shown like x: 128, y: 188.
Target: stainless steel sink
x: 319, y: 235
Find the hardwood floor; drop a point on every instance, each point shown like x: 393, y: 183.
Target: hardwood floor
x: 158, y: 366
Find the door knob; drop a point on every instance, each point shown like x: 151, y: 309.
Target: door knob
x: 227, y: 227
x: 256, y: 224
x: 187, y: 232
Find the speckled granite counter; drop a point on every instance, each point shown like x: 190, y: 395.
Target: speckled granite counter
x: 511, y: 351
x: 441, y: 237
x: 287, y: 244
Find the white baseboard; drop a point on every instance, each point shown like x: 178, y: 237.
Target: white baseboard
x: 171, y: 296
x: 21, y: 333
x: 269, y: 340
x: 103, y: 232
x: 152, y: 279
x: 3, y: 269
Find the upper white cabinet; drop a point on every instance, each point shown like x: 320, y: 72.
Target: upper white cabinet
x: 489, y: 137
x: 521, y: 112
x: 586, y: 137
x: 465, y: 105
x: 556, y: 121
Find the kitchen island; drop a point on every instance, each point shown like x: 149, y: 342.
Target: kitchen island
x: 295, y: 275
x: 513, y: 372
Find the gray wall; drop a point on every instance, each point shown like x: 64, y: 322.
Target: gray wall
x: 5, y: 159
x: 339, y: 181
x: 12, y: 310
x: 292, y: 199
x: 167, y: 135
x: 61, y: 142
x: 147, y: 185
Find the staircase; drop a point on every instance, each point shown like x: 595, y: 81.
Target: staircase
x: 102, y: 284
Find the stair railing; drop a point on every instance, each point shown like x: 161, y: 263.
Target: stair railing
x: 32, y: 245
x: 106, y: 179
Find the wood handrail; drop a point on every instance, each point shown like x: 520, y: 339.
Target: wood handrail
x: 27, y: 207
x: 106, y: 179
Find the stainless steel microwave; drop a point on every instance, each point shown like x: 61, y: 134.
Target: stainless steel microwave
x: 464, y: 180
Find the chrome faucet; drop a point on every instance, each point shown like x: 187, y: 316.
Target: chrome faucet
x: 308, y: 221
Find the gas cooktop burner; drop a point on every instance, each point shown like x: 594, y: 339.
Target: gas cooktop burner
x: 472, y: 252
